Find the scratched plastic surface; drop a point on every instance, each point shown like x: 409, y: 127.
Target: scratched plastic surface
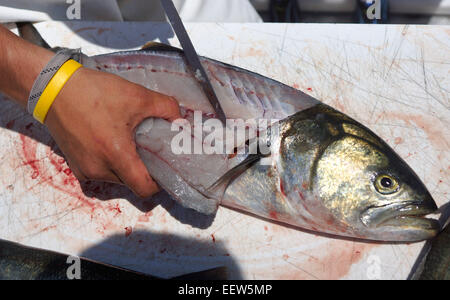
x: 393, y: 79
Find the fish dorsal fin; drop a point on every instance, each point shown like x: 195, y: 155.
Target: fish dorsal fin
x: 155, y: 46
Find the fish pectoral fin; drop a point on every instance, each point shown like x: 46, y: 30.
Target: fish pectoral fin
x: 155, y: 46
x: 217, y: 189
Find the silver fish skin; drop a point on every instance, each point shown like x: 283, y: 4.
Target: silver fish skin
x: 327, y: 173
x: 19, y: 262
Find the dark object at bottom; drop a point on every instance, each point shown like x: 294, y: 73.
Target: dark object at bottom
x: 437, y: 262
x: 26, y: 263
x: 284, y: 11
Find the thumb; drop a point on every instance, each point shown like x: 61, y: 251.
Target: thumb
x: 160, y: 106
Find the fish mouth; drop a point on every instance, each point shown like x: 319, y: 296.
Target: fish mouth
x: 407, y: 215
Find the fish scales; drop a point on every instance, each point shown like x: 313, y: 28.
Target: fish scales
x: 167, y: 73
x: 326, y: 172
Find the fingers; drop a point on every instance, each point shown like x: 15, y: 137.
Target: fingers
x: 160, y: 106
x: 75, y: 170
x: 133, y: 173
x: 77, y: 173
x: 96, y: 172
x: 123, y: 166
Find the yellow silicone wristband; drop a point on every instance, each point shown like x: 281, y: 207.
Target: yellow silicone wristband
x: 53, y: 88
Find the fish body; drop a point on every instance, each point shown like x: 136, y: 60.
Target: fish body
x: 437, y: 262
x: 326, y: 172
x: 18, y: 262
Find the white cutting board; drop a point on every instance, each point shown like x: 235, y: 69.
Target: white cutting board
x: 393, y: 79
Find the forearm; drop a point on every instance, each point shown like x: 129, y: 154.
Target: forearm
x: 20, y: 64
x: 94, y: 116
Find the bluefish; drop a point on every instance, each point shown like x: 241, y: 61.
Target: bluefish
x: 325, y: 172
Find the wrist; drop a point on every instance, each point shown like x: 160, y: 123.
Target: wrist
x: 43, y: 97
x: 62, y: 106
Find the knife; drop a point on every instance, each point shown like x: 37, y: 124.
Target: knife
x: 192, y: 58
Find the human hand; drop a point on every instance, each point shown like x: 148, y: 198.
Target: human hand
x: 93, y: 121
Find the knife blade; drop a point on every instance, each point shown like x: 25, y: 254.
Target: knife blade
x: 192, y: 58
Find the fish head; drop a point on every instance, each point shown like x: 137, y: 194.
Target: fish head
x: 374, y: 192
x: 368, y: 191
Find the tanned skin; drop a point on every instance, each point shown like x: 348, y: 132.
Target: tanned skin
x: 94, y: 117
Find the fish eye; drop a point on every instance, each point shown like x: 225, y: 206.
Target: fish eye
x: 386, y: 184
